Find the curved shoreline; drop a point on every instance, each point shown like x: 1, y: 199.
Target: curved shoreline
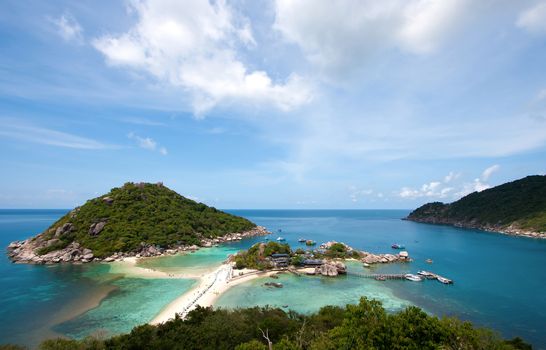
x: 212, y: 285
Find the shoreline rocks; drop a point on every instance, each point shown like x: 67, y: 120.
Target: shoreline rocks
x: 511, y: 230
x: 370, y: 258
x: 26, y: 252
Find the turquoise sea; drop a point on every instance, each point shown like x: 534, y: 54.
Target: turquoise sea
x: 499, y: 280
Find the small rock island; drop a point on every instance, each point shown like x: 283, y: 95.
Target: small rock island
x: 327, y: 260
x: 137, y: 219
x: 514, y: 208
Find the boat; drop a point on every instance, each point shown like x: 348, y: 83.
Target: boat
x: 302, y: 240
x: 412, y: 277
x: 367, y: 265
x: 397, y: 246
x: 380, y: 278
x: 444, y: 280
x: 426, y: 274
x: 280, y: 239
x: 429, y: 261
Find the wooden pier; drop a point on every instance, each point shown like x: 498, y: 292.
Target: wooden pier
x: 388, y: 276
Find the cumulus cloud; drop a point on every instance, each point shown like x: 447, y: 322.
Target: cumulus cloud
x: 433, y: 189
x: 193, y: 45
x: 341, y: 36
x: 147, y: 143
x: 451, y: 177
x: 68, y: 27
x: 533, y: 19
x: 445, y: 189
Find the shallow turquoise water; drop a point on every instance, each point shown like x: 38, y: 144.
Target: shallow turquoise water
x: 306, y: 294
x: 136, y: 301
x: 499, y: 280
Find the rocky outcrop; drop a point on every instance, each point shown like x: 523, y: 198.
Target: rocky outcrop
x: 370, y: 258
x: 61, y: 230
x: 25, y: 252
x: 28, y: 251
x: 96, y: 228
x: 331, y: 269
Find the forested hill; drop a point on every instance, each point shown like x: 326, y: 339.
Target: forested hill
x: 517, y: 207
x: 134, y: 215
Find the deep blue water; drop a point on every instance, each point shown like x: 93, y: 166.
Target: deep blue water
x: 499, y: 280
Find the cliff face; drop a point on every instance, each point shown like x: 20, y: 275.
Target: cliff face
x: 142, y: 218
x: 517, y: 208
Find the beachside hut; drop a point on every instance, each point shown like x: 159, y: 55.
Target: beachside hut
x: 280, y: 260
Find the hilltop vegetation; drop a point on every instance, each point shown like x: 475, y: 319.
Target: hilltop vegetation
x: 122, y: 219
x: 513, y: 206
x: 363, y: 326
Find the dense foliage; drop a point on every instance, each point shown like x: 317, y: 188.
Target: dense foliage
x: 521, y: 202
x: 257, y: 256
x: 148, y: 213
x: 362, y: 326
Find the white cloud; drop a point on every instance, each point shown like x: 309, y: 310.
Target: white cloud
x: 147, y: 143
x: 341, y: 36
x: 433, y: 189
x: 451, y: 177
x: 192, y: 45
x: 68, y: 28
x: 476, y: 186
x: 36, y: 134
x: 533, y: 19
x: 437, y: 189
x: 489, y: 171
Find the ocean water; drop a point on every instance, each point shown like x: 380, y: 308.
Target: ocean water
x: 39, y: 302
x: 499, y: 280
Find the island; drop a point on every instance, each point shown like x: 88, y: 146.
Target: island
x: 514, y: 208
x: 134, y: 220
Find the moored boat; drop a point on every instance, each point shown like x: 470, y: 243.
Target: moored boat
x: 280, y: 239
x: 367, y: 265
x: 412, y: 277
x: 397, y: 246
x: 444, y: 280
x: 426, y: 274
x: 302, y: 240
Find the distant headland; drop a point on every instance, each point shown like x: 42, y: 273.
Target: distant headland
x: 514, y: 208
x: 137, y: 219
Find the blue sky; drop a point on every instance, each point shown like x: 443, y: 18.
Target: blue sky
x: 270, y: 104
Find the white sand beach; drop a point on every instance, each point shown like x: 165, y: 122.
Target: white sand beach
x: 211, y: 286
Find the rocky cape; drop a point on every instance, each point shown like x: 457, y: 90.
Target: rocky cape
x: 137, y: 219
x: 515, y: 208
x: 26, y: 251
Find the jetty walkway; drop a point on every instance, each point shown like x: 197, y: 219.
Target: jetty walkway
x: 389, y: 276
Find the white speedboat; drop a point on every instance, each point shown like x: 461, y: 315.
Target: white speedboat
x: 426, y: 274
x: 412, y: 277
x: 280, y: 239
